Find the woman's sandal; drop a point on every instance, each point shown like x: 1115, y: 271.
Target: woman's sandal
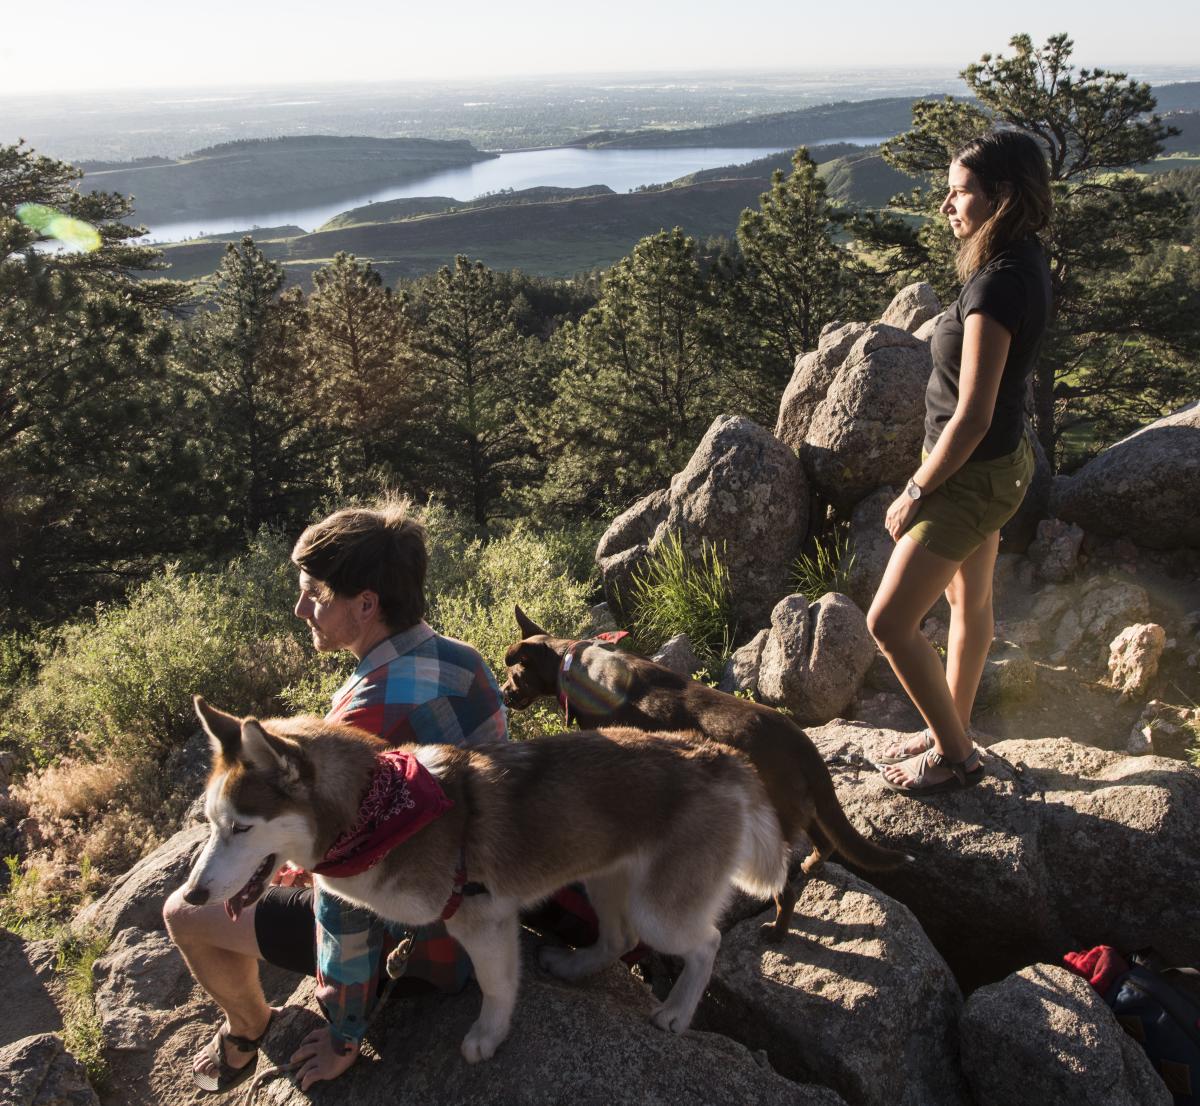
x: 227, y: 1076
x: 905, y: 750
x: 963, y: 774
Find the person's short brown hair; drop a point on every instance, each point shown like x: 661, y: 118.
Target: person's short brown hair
x: 380, y: 549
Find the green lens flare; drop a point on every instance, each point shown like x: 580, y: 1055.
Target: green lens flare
x: 52, y: 223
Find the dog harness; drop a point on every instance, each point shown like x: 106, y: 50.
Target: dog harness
x: 610, y: 637
x: 403, y: 797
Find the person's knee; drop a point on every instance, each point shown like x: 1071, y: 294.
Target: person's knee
x: 970, y: 602
x: 886, y: 627
x: 174, y: 913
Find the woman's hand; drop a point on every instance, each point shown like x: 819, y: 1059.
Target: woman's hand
x: 901, y: 514
x: 320, y: 1057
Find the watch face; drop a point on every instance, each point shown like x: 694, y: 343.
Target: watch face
x: 914, y: 492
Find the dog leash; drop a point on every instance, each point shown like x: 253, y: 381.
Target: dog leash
x: 856, y: 762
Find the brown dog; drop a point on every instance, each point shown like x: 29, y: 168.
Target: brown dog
x: 596, y: 685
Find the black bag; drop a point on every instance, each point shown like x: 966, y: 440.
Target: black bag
x: 1160, y: 1009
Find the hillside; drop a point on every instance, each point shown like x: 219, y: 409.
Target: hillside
x: 866, y: 118
x: 391, y: 211
x: 235, y: 176
x: 1188, y: 138
x: 547, y: 238
x: 864, y: 179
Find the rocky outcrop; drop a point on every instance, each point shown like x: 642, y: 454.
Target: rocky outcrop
x: 1077, y: 622
x: 1009, y: 677
x: 136, y: 899
x: 866, y: 427
x: 1060, y: 846
x: 678, y: 655
x: 815, y: 656
x: 589, y: 1042
x: 744, y: 493
x: 870, y: 547
x: 1055, y: 551
x: 1144, y: 488
x: 140, y: 978
x: 1045, y: 1035
x: 854, y: 997
x: 1133, y: 658
x: 27, y: 969
x: 38, y: 1071
x: 912, y: 307
x: 625, y: 545
x: 741, y: 671
x: 811, y: 378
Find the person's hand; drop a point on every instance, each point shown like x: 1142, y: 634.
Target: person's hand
x: 900, y: 515
x: 291, y: 876
x: 320, y: 1057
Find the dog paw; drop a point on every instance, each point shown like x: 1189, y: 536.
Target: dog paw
x: 668, y: 1018
x: 771, y: 933
x: 558, y: 962
x: 479, y: 1044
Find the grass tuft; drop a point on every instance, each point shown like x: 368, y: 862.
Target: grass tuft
x: 675, y: 594
x: 826, y: 568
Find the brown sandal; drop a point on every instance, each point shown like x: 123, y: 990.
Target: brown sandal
x: 227, y: 1076
x: 963, y: 774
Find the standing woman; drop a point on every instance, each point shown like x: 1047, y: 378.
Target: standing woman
x: 976, y: 464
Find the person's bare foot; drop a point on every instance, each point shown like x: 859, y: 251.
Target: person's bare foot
x: 909, y: 747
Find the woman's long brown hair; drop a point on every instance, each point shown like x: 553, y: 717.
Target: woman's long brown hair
x: 1011, y: 169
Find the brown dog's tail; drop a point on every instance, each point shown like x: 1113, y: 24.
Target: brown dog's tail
x: 839, y: 831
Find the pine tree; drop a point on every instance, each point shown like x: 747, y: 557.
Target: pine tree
x: 89, y: 464
x: 356, y: 350
x: 474, y: 372
x: 269, y: 458
x: 794, y: 278
x: 640, y: 380
x: 1095, y: 127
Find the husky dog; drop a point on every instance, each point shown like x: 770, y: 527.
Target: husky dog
x: 598, y: 686
x: 659, y: 828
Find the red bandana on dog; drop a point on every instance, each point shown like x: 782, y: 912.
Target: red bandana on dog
x: 403, y: 798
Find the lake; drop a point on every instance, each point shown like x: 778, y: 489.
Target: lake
x: 564, y: 167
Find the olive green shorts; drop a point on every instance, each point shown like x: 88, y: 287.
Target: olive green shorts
x: 958, y: 517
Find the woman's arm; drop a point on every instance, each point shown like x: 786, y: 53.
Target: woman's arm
x: 984, y: 352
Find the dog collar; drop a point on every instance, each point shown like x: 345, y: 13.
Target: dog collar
x: 610, y: 637
x: 461, y: 888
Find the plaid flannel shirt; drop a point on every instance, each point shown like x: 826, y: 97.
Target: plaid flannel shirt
x: 415, y: 687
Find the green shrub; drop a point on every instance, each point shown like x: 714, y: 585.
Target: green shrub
x: 826, y: 568
x: 673, y: 594
x: 125, y: 679
x: 474, y: 598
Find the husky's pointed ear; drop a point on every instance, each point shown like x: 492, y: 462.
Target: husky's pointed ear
x: 266, y: 751
x: 224, y: 730
x: 529, y: 628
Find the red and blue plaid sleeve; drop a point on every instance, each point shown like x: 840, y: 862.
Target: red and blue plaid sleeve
x: 441, y: 691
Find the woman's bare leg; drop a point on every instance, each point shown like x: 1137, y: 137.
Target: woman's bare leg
x: 972, y: 625
x: 911, y: 584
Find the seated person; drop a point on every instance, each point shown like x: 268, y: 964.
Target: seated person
x: 362, y: 580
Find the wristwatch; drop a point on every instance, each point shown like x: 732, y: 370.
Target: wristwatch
x: 913, y: 491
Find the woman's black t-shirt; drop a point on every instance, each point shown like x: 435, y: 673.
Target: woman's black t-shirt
x: 1014, y: 289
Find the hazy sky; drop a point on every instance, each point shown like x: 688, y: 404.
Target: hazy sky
x: 76, y: 44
